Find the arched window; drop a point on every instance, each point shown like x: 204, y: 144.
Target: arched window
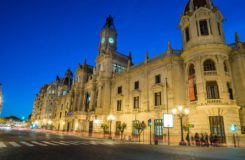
x: 191, y: 70
x: 212, y: 90
x: 192, y: 88
x: 209, y: 65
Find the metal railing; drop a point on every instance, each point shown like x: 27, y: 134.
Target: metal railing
x: 213, y: 101
x: 210, y: 73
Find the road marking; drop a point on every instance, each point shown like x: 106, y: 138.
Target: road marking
x: 84, y: 143
x: 75, y: 143
x: 27, y: 144
x: 2, y: 145
x: 94, y: 143
x: 52, y: 144
x: 60, y: 143
x: 14, y: 144
x: 40, y: 144
x: 66, y: 142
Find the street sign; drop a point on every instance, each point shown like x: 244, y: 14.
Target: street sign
x: 168, y: 121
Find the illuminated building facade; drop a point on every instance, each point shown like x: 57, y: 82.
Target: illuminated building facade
x: 207, y: 76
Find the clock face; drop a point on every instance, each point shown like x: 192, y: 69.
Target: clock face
x: 103, y: 40
x: 111, y: 40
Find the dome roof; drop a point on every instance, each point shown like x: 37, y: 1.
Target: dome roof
x: 196, y: 4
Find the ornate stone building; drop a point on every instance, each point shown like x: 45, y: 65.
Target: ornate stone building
x: 207, y: 76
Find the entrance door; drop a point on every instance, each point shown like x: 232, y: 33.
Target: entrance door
x: 217, y: 127
x: 68, y: 126
x: 90, y: 131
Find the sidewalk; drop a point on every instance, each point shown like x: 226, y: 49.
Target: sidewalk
x: 97, y: 136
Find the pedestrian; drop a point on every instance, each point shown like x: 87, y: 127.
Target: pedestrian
x: 211, y: 139
x: 202, y: 140
x: 188, y: 139
x: 215, y: 140
x: 197, y: 139
x: 192, y: 140
x: 206, y: 140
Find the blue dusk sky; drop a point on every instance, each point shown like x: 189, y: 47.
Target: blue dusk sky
x: 40, y: 39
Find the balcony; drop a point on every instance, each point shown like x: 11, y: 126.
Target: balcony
x: 213, y: 101
x: 210, y: 73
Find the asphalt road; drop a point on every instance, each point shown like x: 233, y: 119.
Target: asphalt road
x: 28, y: 145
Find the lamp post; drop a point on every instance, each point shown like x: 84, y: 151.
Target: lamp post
x: 110, y: 118
x: 181, y: 112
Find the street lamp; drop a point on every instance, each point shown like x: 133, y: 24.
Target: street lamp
x: 110, y: 118
x: 181, y: 112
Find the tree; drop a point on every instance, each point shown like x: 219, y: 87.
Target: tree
x: 105, y: 128
x: 3, y: 121
x: 140, y: 127
x: 121, y: 128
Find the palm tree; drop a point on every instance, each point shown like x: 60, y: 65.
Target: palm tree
x: 121, y: 128
x: 105, y: 128
x: 140, y: 127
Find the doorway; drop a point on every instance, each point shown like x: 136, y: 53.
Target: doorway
x: 90, y: 131
x: 217, y: 128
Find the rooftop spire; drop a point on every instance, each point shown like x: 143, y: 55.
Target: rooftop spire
x: 170, y: 50
x: 85, y: 62
x: 146, y: 57
x: 109, y: 22
x: 237, y: 38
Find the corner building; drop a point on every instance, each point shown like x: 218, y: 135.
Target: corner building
x: 207, y: 77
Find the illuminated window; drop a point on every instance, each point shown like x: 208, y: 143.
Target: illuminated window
x: 203, y: 27
x: 230, y: 91
x: 158, y: 79
x: 87, y: 102
x: 209, y: 65
x: 116, y: 68
x: 136, y: 85
x: 212, y: 90
x: 158, y: 128
x: 119, y: 90
x: 157, y: 98
x: 217, y: 128
x: 119, y: 105
x: 136, y: 102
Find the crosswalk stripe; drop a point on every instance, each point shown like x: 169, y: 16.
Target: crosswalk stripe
x: 27, y: 144
x: 60, y: 143
x: 52, y: 144
x: 2, y: 145
x: 94, y: 143
x: 40, y: 144
x: 14, y: 144
x: 75, y: 143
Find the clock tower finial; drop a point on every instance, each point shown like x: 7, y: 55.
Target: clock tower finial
x: 108, y: 37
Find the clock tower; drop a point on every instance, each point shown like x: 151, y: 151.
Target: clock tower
x: 108, y: 37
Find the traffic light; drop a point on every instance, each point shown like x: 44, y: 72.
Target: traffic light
x: 149, y: 122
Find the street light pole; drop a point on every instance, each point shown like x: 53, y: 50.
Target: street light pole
x: 110, y: 130
x: 181, y: 126
x: 181, y: 112
x: 110, y: 118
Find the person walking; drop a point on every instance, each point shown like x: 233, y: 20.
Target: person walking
x: 206, y: 140
x: 188, y: 139
x: 197, y: 139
